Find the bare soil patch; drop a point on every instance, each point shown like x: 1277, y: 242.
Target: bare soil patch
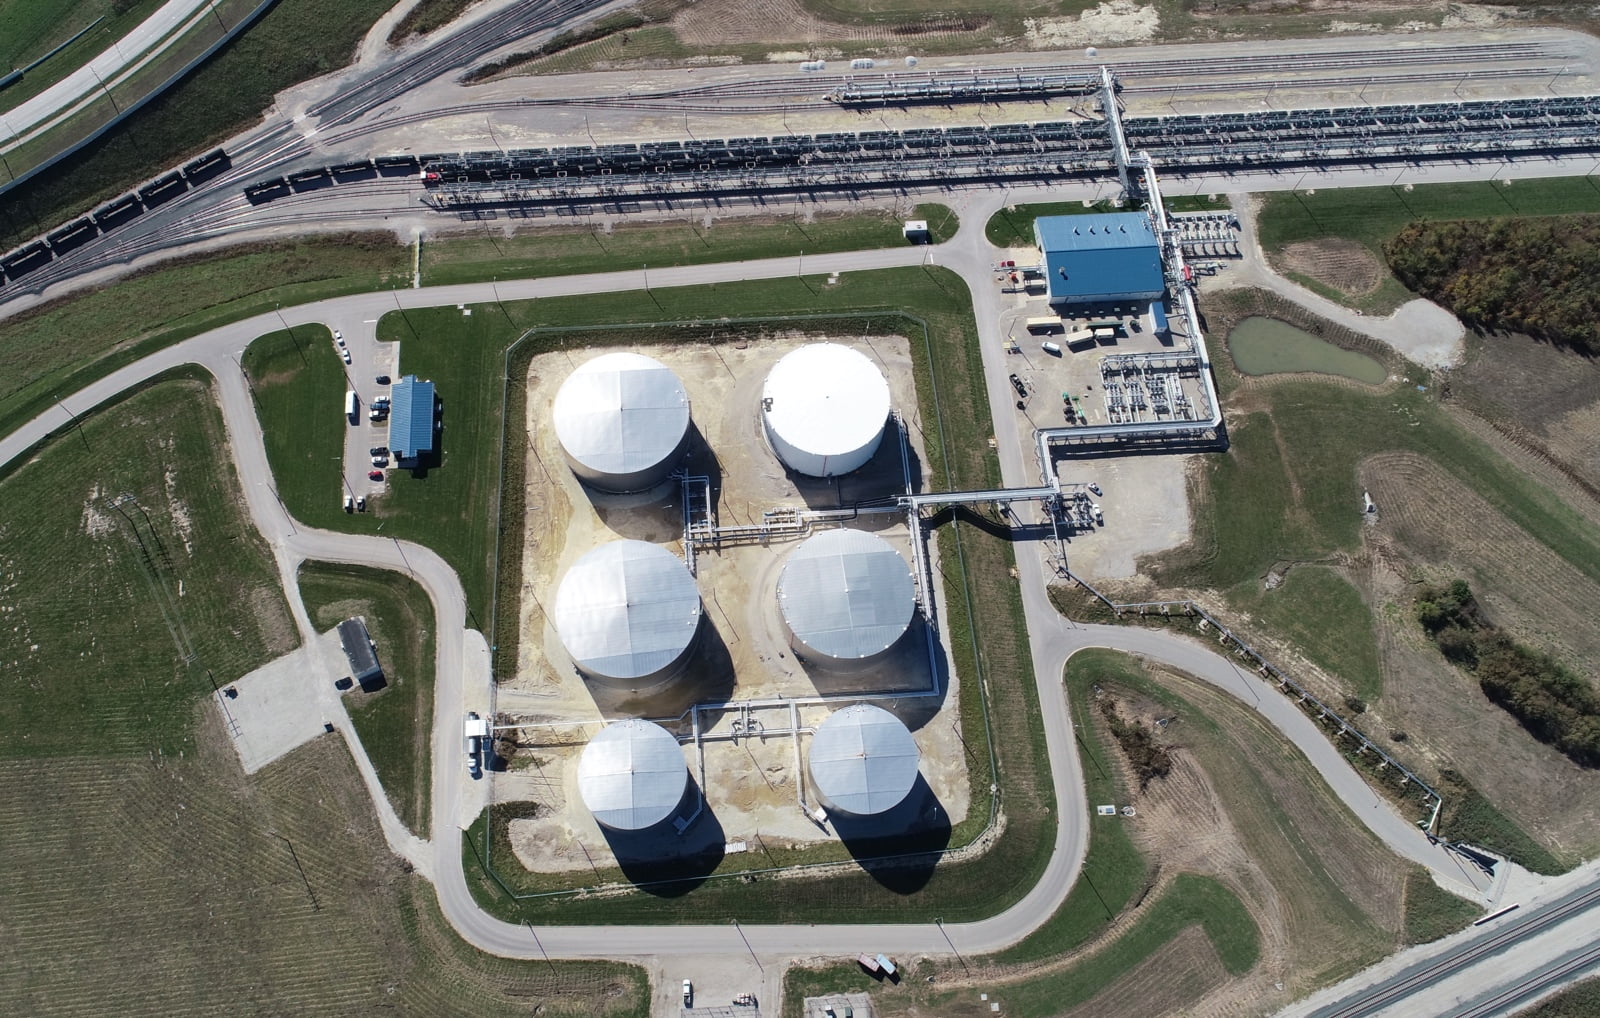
x: 1340, y: 263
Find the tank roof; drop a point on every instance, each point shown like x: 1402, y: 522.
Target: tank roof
x: 627, y: 610
x: 846, y: 594
x: 632, y: 775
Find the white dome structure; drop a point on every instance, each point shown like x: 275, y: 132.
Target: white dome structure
x: 628, y: 613
x: 863, y: 761
x: 846, y: 597
x: 623, y: 421
x: 632, y: 775
x: 823, y: 408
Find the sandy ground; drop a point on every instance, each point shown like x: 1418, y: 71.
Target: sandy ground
x: 743, y: 653
x: 1145, y: 498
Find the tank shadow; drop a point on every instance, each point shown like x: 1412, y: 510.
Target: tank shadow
x: 662, y: 862
x: 901, y: 847
x: 707, y: 676
x: 906, y: 669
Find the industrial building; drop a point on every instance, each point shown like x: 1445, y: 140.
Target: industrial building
x: 632, y: 775
x: 846, y: 597
x: 358, y: 651
x: 628, y: 613
x: 623, y: 421
x: 823, y: 408
x: 412, y: 418
x: 1099, y: 259
x: 863, y: 761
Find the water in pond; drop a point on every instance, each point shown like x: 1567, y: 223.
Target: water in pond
x: 1266, y: 346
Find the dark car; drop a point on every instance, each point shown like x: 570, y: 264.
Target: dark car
x: 374, y: 475
x: 383, y: 379
x: 1017, y: 384
x: 378, y: 450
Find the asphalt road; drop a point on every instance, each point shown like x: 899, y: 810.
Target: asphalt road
x: 1052, y: 638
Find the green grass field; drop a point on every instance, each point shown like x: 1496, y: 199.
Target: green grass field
x: 1324, y: 616
x: 29, y: 29
x: 123, y: 612
x: 179, y: 885
x: 427, y: 16
x: 1432, y: 912
x: 1370, y: 216
x: 115, y: 326
x: 1581, y: 1001
x: 571, y: 251
x: 396, y: 722
x: 293, y: 41
x: 1469, y: 816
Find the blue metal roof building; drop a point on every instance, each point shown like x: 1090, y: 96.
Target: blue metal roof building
x: 411, y: 420
x: 1097, y: 259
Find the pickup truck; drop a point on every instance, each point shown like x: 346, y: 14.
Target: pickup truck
x: 476, y: 730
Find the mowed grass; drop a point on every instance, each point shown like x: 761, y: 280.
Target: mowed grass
x: 293, y: 41
x: 59, y: 347
x: 575, y: 250
x: 1370, y: 216
x: 1432, y: 912
x: 1324, y: 616
x: 396, y: 722
x: 1287, y: 490
x: 119, y: 617
x: 296, y: 375
x: 148, y: 875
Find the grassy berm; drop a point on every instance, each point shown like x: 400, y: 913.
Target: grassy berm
x: 146, y: 874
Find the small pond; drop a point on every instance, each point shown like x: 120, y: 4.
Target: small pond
x: 1266, y: 346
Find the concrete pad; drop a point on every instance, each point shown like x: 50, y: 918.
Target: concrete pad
x: 285, y: 703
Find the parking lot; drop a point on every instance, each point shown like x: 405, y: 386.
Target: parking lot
x: 367, y: 438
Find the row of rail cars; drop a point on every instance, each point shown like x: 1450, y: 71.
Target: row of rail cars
x: 112, y: 215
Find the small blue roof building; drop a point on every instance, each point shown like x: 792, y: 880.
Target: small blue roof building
x: 1100, y: 259
x: 411, y: 420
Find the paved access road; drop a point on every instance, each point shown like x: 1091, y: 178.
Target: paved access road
x: 460, y: 656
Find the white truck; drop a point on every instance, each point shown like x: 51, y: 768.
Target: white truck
x: 476, y: 735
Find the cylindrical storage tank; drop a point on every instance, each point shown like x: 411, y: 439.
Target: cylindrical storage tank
x: 846, y: 598
x: 632, y: 775
x: 623, y: 421
x: 863, y: 761
x: 627, y: 613
x: 823, y: 408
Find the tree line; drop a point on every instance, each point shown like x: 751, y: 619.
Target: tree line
x: 1555, y: 706
x: 1535, y: 276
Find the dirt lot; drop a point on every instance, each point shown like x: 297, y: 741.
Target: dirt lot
x: 743, y: 653
x: 1342, y: 264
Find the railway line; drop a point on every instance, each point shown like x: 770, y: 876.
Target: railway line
x: 1422, y: 975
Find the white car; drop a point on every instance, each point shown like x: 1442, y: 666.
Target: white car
x: 338, y: 337
x: 1095, y: 488
x: 688, y: 993
x: 346, y: 355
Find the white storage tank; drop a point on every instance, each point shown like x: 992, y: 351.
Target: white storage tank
x: 846, y: 597
x: 863, y: 761
x: 632, y: 775
x: 623, y: 421
x: 823, y: 408
x: 628, y: 613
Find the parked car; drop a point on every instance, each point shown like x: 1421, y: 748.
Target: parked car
x: 383, y: 379
x: 347, y: 505
x: 380, y: 461
x: 688, y: 993
x: 361, y: 504
x: 1095, y: 488
x: 338, y: 337
x: 383, y: 450
x: 346, y: 356
x: 374, y: 475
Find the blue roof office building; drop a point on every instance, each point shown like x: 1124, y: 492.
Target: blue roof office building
x: 411, y: 420
x: 1100, y: 259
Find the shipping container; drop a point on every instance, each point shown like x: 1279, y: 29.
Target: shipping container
x: 1044, y: 325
